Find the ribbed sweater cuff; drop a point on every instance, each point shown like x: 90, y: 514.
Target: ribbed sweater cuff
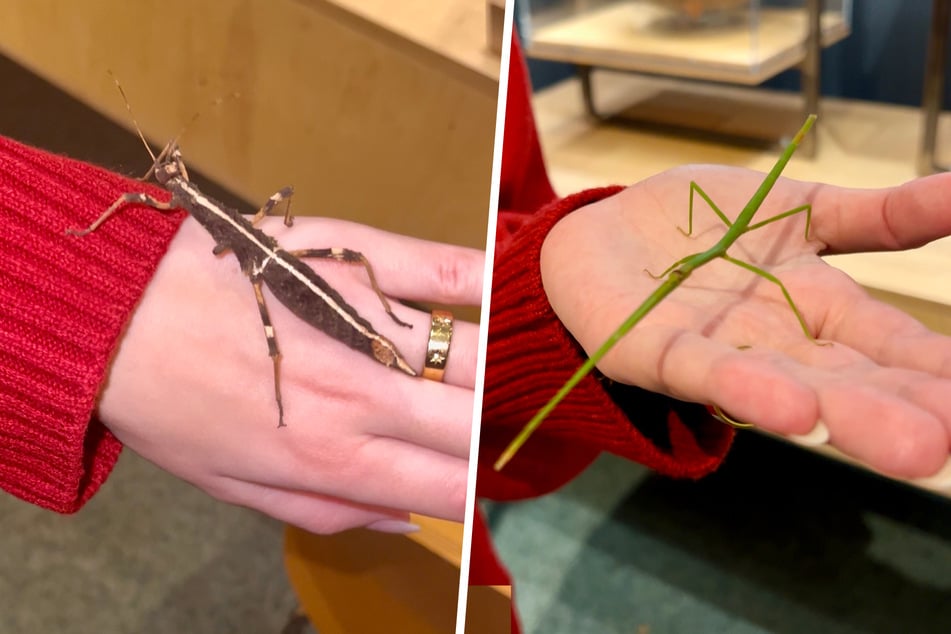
x: 64, y: 301
x: 531, y: 354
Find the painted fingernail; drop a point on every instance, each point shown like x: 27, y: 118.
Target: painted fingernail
x: 818, y: 436
x: 393, y: 526
x: 938, y: 481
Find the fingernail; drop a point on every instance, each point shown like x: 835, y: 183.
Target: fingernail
x: 818, y: 436
x: 393, y: 526
x: 938, y: 481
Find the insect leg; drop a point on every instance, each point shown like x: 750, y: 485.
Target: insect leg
x: 276, y: 199
x: 775, y: 280
x: 272, y: 349
x: 671, y: 267
x: 352, y: 257
x: 124, y: 199
x: 792, y: 212
x: 696, y: 189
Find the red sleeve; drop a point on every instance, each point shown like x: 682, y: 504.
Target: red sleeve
x: 64, y: 301
x: 485, y: 567
x: 530, y: 354
x: 524, y: 186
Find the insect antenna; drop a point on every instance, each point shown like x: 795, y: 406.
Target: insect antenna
x: 138, y: 130
x: 171, y: 144
x: 217, y: 101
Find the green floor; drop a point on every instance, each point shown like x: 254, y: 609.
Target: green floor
x: 777, y: 541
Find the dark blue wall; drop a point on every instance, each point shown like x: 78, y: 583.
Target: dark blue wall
x: 882, y: 60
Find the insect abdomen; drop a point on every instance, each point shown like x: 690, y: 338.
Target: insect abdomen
x: 314, y: 301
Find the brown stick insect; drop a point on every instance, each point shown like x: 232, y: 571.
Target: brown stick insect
x: 261, y: 258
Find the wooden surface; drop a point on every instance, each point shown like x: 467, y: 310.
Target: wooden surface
x: 489, y: 610
x: 440, y: 537
x: 367, y: 582
x: 377, y: 112
x: 494, y: 24
x: 860, y: 145
x: 625, y: 36
x: 363, y: 581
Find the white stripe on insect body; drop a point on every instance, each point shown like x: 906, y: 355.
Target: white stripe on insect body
x: 271, y: 255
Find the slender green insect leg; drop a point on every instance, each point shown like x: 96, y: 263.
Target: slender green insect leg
x: 352, y: 257
x: 665, y: 288
x: 543, y: 413
x: 283, y: 195
x: 775, y: 280
x: 272, y: 349
x: 695, y: 188
x: 669, y: 268
x: 792, y: 212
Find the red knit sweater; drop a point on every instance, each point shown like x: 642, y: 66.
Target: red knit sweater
x: 64, y: 302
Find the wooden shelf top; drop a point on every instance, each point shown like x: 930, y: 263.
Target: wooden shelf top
x: 619, y: 36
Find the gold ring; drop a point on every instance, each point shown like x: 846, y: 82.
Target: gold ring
x: 722, y: 416
x: 437, y: 350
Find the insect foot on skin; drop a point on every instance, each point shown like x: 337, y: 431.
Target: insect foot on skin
x: 679, y: 271
x: 261, y: 258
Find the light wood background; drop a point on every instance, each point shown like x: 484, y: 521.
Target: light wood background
x: 376, y: 115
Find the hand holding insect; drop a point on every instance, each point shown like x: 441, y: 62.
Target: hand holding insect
x: 880, y: 389
x: 179, y: 391
x: 190, y: 389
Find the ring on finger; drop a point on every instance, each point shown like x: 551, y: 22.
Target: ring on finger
x: 722, y: 416
x: 437, y: 349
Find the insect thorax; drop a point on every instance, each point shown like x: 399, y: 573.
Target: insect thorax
x: 230, y: 230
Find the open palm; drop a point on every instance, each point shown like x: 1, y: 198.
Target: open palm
x: 881, y: 392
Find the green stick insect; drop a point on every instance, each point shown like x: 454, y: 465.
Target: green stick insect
x: 678, y: 272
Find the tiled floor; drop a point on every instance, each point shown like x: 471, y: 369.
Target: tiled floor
x: 779, y: 540
x: 148, y: 554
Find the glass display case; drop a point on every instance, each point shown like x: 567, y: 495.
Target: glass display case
x: 737, y: 41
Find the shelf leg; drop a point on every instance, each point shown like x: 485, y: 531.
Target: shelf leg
x: 811, y: 72
x: 933, y: 90
x: 587, y: 91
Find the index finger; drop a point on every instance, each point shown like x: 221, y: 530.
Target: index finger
x: 890, y: 219
x: 405, y: 267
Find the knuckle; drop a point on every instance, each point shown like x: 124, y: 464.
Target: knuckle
x: 457, y: 276
x: 456, y: 490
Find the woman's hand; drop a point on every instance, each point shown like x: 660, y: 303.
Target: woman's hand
x: 191, y: 387
x: 882, y: 390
